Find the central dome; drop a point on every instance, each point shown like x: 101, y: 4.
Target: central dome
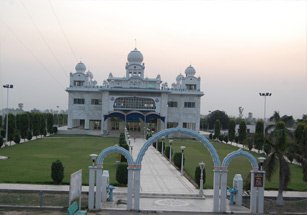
x: 190, y: 71
x: 80, y: 67
x: 135, y: 56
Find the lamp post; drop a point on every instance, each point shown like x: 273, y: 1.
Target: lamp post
x: 8, y: 86
x: 93, y: 156
x: 131, y: 148
x: 264, y: 95
x: 163, y: 138
x: 182, y: 149
x: 170, y: 151
x: 261, y: 161
x: 201, y: 185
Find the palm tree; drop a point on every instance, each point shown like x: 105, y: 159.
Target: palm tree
x: 278, y: 158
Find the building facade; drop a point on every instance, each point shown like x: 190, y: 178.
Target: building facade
x: 134, y: 101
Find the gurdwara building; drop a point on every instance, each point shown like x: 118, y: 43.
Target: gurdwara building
x: 134, y: 101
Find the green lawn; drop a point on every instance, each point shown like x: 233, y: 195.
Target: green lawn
x: 31, y: 162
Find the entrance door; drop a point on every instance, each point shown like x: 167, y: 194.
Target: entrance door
x: 134, y: 126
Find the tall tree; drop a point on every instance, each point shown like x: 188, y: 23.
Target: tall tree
x: 301, y: 147
x: 259, y: 136
x: 277, y: 159
x: 276, y: 117
x: 218, y: 115
x: 11, y: 127
x: 217, y: 129
x: 232, y: 130
x: 42, y: 130
x: 49, y: 123
x: 24, y: 125
x: 36, y: 124
x: 242, y: 132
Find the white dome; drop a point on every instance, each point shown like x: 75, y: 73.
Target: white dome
x: 190, y: 71
x: 179, y: 77
x: 80, y: 67
x: 135, y: 56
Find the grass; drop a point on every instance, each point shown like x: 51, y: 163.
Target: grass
x: 31, y: 162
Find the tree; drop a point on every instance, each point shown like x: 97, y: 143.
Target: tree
x: 1, y: 141
x: 288, y: 120
x: 203, y: 124
x: 0, y: 121
x: 232, y: 130
x: 259, y: 136
x: 11, y: 127
x: 17, y: 138
x: 242, y: 132
x: 217, y: 129
x: 36, y: 124
x: 276, y: 117
x: 218, y: 115
x: 49, y: 123
x: 300, y: 153
x: 277, y: 158
x: 42, y: 130
x: 57, y: 172
x: 24, y: 125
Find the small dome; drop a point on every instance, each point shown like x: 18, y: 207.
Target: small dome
x: 90, y: 74
x: 179, y: 77
x: 190, y: 71
x: 135, y: 56
x: 80, y: 67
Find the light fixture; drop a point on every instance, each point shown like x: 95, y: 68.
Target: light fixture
x: 93, y: 156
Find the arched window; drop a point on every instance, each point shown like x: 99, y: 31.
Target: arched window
x: 134, y: 103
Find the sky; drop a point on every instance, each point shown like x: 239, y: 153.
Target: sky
x: 238, y: 48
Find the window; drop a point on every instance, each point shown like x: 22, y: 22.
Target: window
x: 189, y: 104
x: 131, y: 103
x: 79, y: 101
x: 96, y: 101
x: 78, y: 83
x: 172, y: 104
x: 189, y: 125
x: 191, y: 86
x: 115, y: 126
x: 172, y: 124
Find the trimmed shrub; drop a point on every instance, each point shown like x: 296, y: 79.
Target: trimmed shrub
x: 160, y: 146
x: 210, y: 136
x: 236, y: 139
x: 29, y: 137
x: 122, y: 173
x: 125, y: 146
x: 221, y: 137
x: 226, y: 139
x: 177, y: 159
x: 166, y: 151
x: 17, y: 138
x: 197, y: 175
x: 122, y: 142
x: 1, y: 141
x: 250, y: 143
x: 55, y: 129
x: 57, y: 172
x: 148, y: 136
x: 154, y: 144
x: 123, y: 159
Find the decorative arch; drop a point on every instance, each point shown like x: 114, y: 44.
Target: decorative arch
x: 205, y: 141
x: 114, y: 149
x: 240, y: 153
x: 118, y: 114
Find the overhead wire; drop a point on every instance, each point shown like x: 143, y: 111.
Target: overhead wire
x: 61, y: 27
x: 31, y: 53
x: 43, y: 38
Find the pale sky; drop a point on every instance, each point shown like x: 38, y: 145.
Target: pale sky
x: 238, y: 48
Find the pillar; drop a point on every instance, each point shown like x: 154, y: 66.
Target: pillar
x: 216, y: 191
x: 223, y: 190
x: 91, y: 188
x: 130, y: 188
x: 137, y: 187
x: 253, y: 196
x: 98, y: 187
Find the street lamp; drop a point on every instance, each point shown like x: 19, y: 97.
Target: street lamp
x: 264, y: 95
x: 261, y: 160
x: 93, y: 156
x: 8, y: 86
x: 170, y: 151
x: 201, y: 187
x: 182, y: 149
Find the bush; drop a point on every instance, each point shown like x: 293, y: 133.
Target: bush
x: 17, y: 138
x: 226, y: 139
x: 236, y: 139
x: 123, y: 159
x: 57, y: 172
x: 55, y: 129
x: 148, y: 136
x: 197, y: 175
x: 29, y: 137
x: 2, y: 134
x: 210, y: 136
x: 1, y: 141
x: 122, y: 173
x: 177, y: 159
x: 221, y: 137
x: 125, y: 146
x: 160, y: 146
x: 166, y: 151
x: 250, y: 143
x: 122, y: 142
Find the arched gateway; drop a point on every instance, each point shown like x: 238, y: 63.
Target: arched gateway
x: 134, y: 168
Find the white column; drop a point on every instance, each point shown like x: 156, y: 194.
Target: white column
x: 253, y: 197
x: 223, y: 191
x: 130, y: 189
x: 137, y: 187
x: 98, y: 187
x: 91, y: 188
x: 216, y: 191
x: 261, y: 196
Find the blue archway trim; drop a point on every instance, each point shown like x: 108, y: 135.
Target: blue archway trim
x: 114, y: 149
x: 135, y: 115
x: 154, y: 116
x: 240, y: 153
x: 205, y: 141
x: 115, y: 114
